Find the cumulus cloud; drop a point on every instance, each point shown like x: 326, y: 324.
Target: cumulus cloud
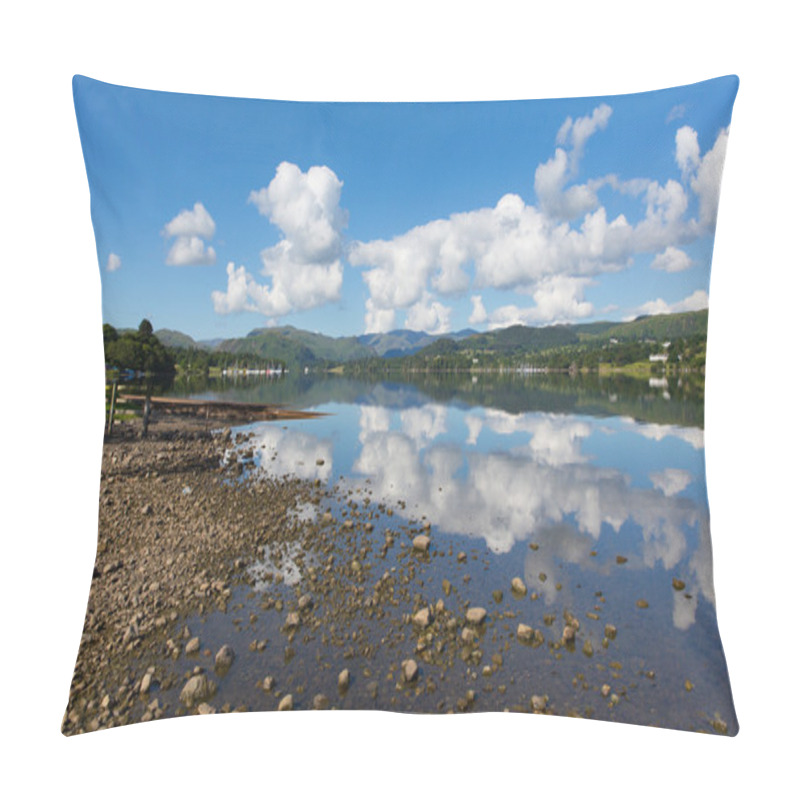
x: 556, y: 299
x: 196, y: 222
x: 428, y: 315
x: 704, y: 174
x: 378, y: 320
x: 478, y: 315
x: 687, y: 149
x: 672, y: 260
x: 190, y: 229
x: 696, y: 301
x: 552, y: 176
x: 549, y: 252
x: 114, y: 262
x: 305, y: 206
x: 304, y: 267
x: 708, y: 180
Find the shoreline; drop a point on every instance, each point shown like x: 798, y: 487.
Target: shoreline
x: 165, y: 551
x: 325, y: 597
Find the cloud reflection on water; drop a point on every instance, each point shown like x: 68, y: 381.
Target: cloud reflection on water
x: 544, y: 484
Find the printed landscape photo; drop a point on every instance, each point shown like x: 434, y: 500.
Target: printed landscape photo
x: 405, y: 407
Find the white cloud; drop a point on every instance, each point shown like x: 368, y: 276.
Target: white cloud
x: 114, y: 262
x: 304, y: 267
x: 676, y: 112
x: 378, y: 320
x: 696, y: 301
x: 535, y: 251
x: 672, y: 260
x: 428, y: 315
x: 704, y: 174
x: 552, y: 176
x: 687, y: 150
x: 190, y: 251
x: 708, y: 181
x: 305, y: 206
x: 478, y: 315
x: 549, y: 182
x: 556, y: 299
x: 190, y: 229
x: 196, y: 222
x: 576, y: 133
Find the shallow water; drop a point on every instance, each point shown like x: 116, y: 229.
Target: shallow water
x: 599, y: 513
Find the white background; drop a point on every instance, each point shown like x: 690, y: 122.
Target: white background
x: 52, y: 383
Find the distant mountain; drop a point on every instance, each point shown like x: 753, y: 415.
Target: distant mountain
x: 662, y: 326
x: 299, y: 347
x: 295, y: 346
x: 210, y: 344
x: 520, y: 339
x: 177, y: 339
x: 405, y: 342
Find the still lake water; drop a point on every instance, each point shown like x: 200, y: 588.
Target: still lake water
x: 592, y: 491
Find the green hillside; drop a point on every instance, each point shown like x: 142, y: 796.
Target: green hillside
x: 176, y: 339
x: 295, y: 346
x: 661, y: 327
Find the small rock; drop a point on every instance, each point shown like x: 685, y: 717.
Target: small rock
x: 422, y: 618
x: 447, y: 587
x: 642, y: 604
x: 568, y: 635
x: 468, y: 636
x: 320, y: 702
x: 518, y: 586
x: 605, y: 690
x: 268, y: 684
x: 286, y: 703
x: 205, y: 708
x: 422, y: 543
x: 497, y: 596
x: 305, y: 602
x: 622, y: 560
x: 192, y: 646
x: 524, y: 632
x: 320, y: 462
x: 144, y: 688
x: 678, y: 585
x: 538, y: 703
x: 197, y: 689
x: 292, y: 620
x: 611, y: 631
x: 224, y: 658
x: 462, y: 556
x: 588, y: 650
x: 688, y: 685
x: 476, y: 615
x: 344, y: 680
x: 410, y: 670
x: 147, y: 510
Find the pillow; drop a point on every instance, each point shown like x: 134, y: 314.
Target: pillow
x: 404, y: 407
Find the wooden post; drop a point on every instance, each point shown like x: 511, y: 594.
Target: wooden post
x: 112, y: 407
x: 146, y: 412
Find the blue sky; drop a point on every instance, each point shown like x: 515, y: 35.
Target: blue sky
x: 215, y: 216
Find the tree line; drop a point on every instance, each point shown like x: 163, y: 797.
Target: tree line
x: 142, y: 351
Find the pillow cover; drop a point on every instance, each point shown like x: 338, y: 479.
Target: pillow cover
x: 404, y: 407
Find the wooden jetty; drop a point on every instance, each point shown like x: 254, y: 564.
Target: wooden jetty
x: 216, y: 409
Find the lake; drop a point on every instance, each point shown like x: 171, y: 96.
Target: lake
x: 590, y: 490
